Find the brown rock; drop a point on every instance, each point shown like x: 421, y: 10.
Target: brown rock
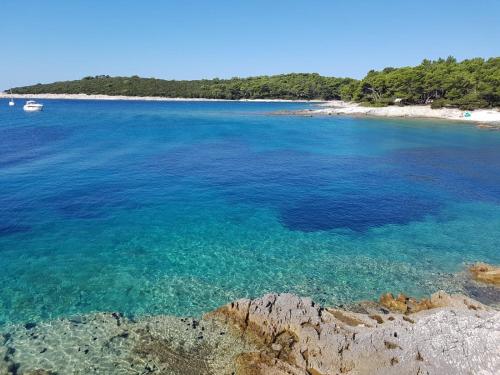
x: 404, y: 304
x: 260, y: 363
x: 378, y: 318
x: 345, y: 317
x: 393, y: 304
x: 485, y: 273
x: 297, y: 336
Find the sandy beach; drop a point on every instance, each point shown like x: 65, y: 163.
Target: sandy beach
x: 4, y: 95
x: 337, y: 107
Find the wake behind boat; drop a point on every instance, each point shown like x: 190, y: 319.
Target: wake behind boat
x: 32, y: 106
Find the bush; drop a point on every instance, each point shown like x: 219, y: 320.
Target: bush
x: 470, y: 102
x: 440, y: 103
x: 383, y: 102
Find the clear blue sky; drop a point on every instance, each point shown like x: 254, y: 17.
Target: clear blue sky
x: 48, y: 40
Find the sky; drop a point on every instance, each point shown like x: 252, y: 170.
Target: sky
x: 54, y: 40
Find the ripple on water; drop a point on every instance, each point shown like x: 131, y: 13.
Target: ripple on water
x: 151, y: 208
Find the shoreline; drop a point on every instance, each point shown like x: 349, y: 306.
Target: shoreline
x: 486, y: 117
x: 4, y: 95
x: 276, y: 334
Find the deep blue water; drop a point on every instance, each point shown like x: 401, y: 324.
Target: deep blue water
x: 179, y: 207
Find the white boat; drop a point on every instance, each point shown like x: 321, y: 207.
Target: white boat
x: 32, y: 106
x: 11, y: 101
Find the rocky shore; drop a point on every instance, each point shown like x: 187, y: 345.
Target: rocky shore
x: 278, y: 334
x: 484, y: 117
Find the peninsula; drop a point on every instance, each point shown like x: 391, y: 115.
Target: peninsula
x: 442, y: 89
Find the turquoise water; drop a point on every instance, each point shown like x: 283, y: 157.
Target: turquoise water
x: 177, y: 208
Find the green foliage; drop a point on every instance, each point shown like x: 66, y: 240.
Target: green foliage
x: 286, y: 86
x: 439, y: 103
x: 469, y: 84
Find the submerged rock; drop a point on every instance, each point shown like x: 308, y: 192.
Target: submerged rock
x: 485, y: 273
x: 150, y: 345
x: 276, y: 334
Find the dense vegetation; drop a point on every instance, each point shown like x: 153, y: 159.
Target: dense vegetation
x: 286, y: 86
x: 469, y: 84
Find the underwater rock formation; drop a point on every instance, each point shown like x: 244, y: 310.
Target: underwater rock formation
x: 485, y: 273
x: 276, y: 334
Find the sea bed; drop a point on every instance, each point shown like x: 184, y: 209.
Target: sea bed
x: 279, y: 334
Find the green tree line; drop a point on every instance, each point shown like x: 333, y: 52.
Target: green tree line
x: 469, y: 84
x: 286, y: 86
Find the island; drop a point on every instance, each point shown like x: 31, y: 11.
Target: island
x: 445, y: 88
x: 467, y: 85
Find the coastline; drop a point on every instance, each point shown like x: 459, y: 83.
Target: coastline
x: 4, y: 95
x: 488, y: 118
x: 337, y: 107
x: 276, y: 334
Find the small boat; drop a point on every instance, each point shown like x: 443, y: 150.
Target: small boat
x: 11, y: 101
x: 32, y: 106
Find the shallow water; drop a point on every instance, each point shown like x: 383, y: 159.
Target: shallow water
x: 177, y: 208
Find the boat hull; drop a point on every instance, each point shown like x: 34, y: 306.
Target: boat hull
x: 33, y: 108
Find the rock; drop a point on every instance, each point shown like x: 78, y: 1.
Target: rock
x: 485, y: 273
x: 487, y: 294
x: 393, y: 304
x: 277, y: 334
x: 349, y: 318
x: 276, y: 347
x: 450, y: 338
x: 403, y: 304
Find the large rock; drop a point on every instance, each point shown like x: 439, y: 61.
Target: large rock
x: 485, y: 273
x: 296, y: 336
x: 276, y: 334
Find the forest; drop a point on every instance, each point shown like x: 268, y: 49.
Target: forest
x: 469, y: 84
x: 286, y: 86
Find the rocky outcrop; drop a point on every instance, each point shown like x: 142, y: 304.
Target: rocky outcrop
x: 277, y: 334
x: 485, y: 273
x: 404, y: 304
x: 453, y: 335
x: 487, y: 118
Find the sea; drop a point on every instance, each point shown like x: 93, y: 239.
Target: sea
x: 176, y: 208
